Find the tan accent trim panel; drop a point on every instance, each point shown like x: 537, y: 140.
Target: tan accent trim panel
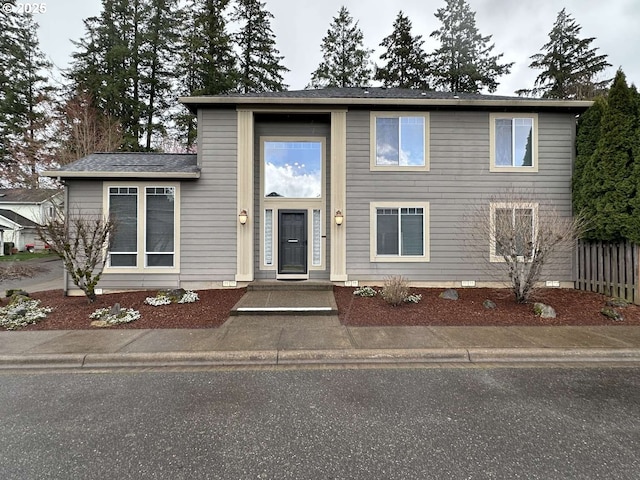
x: 338, y: 271
x: 244, y: 237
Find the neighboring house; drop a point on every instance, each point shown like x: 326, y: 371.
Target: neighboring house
x: 22, y: 210
x: 18, y: 230
x: 342, y: 185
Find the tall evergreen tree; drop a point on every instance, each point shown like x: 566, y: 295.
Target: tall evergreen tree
x: 124, y: 63
x: 608, y: 183
x: 570, y: 65
x: 406, y: 61
x: 463, y: 62
x: 260, y: 67
x: 588, y: 134
x: 345, y: 60
x: 207, y: 64
x: 25, y: 102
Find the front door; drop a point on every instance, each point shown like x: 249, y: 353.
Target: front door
x: 292, y: 242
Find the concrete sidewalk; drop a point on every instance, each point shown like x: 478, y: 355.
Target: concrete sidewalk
x: 287, y: 340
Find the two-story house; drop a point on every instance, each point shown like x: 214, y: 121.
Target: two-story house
x: 343, y: 185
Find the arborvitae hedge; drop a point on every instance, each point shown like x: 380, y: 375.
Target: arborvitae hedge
x: 607, y: 175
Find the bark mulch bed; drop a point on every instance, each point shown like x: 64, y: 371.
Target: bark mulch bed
x: 72, y: 313
x: 572, y: 307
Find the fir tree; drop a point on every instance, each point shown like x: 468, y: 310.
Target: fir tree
x: 207, y: 64
x: 345, y: 60
x: 260, y: 67
x: 463, y: 62
x: 25, y: 102
x: 406, y: 61
x: 569, y: 64
x: 587, y: 137
x: 124, y: 63
x: 608, y: 183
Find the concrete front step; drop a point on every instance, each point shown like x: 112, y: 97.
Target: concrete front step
x: 289, y: 285
x: 286, y: 302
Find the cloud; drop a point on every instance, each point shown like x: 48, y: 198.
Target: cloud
x: 291, y: 182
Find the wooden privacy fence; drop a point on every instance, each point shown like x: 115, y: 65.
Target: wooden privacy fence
x: 609, y: 268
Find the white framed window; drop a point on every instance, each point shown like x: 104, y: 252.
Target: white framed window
x: 513, y: 230
x: 513, y: 142
x: 399, y: 141
x: 399, y: 231
x: 147, y: 219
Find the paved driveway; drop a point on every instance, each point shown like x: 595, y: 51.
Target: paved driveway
x: 49, y: 278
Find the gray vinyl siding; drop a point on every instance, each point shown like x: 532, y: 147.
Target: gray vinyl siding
x: 458, y: 180
x: 209, y: 211
x: 290, y: 129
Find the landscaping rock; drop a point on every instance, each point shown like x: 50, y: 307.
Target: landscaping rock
x: 115, y: 310
x: 174, y: 294
x: 488, y: 304
x: 450, y: 294
x: 544, y: 311
x: 618, y: 302
x: 12, y: 292
x: 612, y: 313
x: 99, y: 323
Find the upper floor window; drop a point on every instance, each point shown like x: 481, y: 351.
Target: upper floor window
x: 399, y: 141
x: 292, y: 169
x: 514, y: 142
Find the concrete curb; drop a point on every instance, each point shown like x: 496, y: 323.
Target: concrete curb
x: 432, y: 355
x: 319, y: 357
x: 563, y: 355
x: 46, y: 360
x: 179, y: 359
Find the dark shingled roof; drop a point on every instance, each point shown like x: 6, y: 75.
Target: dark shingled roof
x: 131, y: 164
x: 17, y: 218
x: 26, y: 195
x: 380, y: 97
x: 372, y: 92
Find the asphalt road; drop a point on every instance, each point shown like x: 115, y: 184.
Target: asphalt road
x: 441, y: 423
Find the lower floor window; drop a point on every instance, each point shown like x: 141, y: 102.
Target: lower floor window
x: 513, y: 230
x: 144, y: 216
x: 399, y: 232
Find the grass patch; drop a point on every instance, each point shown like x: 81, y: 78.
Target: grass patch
x: 24, y: 256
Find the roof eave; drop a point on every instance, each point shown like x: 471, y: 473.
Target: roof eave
x: 577, y: 105
x: 106, y: 174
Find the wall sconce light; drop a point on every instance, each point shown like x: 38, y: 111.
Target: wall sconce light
x: 243, y: 216
x: 339, y: 218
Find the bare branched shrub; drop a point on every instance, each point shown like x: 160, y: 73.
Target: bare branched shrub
x: 522, y: 237
x: 395, y: 290
x: 82, y: 241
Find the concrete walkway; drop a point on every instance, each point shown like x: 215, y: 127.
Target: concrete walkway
x: 286, y: 340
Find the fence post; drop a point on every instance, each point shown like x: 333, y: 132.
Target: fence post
x: 636, y: 288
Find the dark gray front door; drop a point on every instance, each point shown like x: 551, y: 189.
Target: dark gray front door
x: 292, y: 241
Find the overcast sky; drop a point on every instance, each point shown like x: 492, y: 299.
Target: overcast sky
x: 519, y: 29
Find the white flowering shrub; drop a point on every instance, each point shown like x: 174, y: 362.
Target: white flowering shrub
x: 22, y: 312
x: 157, y: 301
x: 413, y: 298
x: 173, y: 296
x: 105, y: 317
x: 189, y: 297
x: 365, y: 292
